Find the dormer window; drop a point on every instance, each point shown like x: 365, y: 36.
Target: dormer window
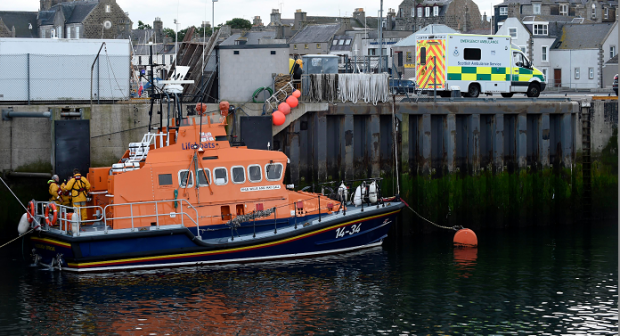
x: 107, y: 9
x: 536, y: 8
x: 435, y: 11
x: 419, y: 11
x: 503, y: 11
x: 541, y: 29
x: 427, y: 11
x: 594, y: 11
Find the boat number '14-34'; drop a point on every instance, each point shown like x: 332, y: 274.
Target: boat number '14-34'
x: 355, y: 228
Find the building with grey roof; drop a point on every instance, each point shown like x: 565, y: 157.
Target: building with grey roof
x: 314, y: 39
x: 18, y: 24
x: 578, y: 54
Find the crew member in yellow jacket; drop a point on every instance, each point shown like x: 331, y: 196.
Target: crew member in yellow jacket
x: 55, y: 189
x: 79, y: 186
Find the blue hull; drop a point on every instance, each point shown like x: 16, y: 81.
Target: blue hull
x: 180, y: 246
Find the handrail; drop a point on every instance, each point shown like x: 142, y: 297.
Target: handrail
x: 156, y: 215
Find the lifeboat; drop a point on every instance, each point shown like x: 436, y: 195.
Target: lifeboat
x: 184, y: 196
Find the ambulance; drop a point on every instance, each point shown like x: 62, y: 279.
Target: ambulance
x: 474, y: 64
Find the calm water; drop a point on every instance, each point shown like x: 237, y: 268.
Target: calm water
x: 549, y: 281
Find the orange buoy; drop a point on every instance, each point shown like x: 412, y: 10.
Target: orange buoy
x: 284, y: 108
x: 296, y: 94
x: 224, y: 106
x: 465, y: 237
x: 201, y: 108
x: 292, y: 101
x: 278, y: 118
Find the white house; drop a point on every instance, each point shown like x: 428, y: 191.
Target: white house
x: 520, y: 36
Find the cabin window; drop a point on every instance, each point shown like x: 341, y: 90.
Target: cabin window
x: 254, y: 173
x: 221, y: 176
x: 238, y: 174
x: 184, y: 180
x: 165, y: 179
x: 273, y: 171
x: 204, y: 177
x: 472, y: 54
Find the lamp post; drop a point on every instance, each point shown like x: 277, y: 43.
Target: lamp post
x: 380, y: 37
x: 213, y: 16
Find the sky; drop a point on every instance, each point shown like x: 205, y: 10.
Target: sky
x: 193, y: 12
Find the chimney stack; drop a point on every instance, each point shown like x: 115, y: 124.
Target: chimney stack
x: 300, y: 17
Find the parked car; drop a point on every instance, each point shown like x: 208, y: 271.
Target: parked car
x: 615, y: 86
x: 400, y: 86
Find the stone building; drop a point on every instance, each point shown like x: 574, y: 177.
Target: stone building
x: 18, y: 24
x: 83, y: 19
x: 414, y: 15
x: 597, y: 11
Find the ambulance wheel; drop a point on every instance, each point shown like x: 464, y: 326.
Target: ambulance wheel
x: 473, y: 91
x: 507, y: 95
x: 533, y: 90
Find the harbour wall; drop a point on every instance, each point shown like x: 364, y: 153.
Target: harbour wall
x: 506, y: 161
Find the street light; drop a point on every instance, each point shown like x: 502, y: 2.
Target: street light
x: 176, y: 43
x: 213, y: 16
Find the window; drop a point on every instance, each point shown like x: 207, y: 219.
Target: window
x: 594, y: 11
x: 606, y: 12
x: 536, y: 8
x: 472, y: 54
x: 591, y: 73
x: 522, y: 49
x: 435, y: 11
x: 540, y: 29
x: 334, y: 42
x: 305, y: 46
x: 408, y: 59
x: 221, y: 176
x: 577, y: 73
x: 107, y: 24
x: 184, y: 180
x: 171, y: 59
x: 204, y: 177
x: 564, y: 9
x: 238, y: 174
x: 273, y: 171
x: 544, y: 53
x: 544, y: 71
x: 413, y: 12
x: 612, y: 51
x: 107, y: 8
x: 165, y: 179
x: 69, y: 32
x: 77, y: 32
x: 372, y: 51
x: 512, y: 32
x: 347, y: 42
x: 139, y: 60
x: 318, y: 46
x: 427, y: 11
x: 503, y: 11
x: 295, y: 46
x: 236, y: 52
x: 273, y: 52
x: 341, y: 42
x: 254, y: 173
x: 419, y: 11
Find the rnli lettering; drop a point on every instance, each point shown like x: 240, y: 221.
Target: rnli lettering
x: 45, y: 247
x: 195, y: 145
x: 261, y: 188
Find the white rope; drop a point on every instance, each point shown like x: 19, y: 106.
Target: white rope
x: 371, y: 88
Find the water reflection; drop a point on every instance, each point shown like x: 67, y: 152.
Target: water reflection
x: 547, y: 282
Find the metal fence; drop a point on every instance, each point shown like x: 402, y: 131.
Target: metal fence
x: 36, y: 77
x: 362, y: 64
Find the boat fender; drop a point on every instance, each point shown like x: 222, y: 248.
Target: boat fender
x: 357, y: 198
x: 343, y: 193
x: 75, y: 222
x: 54, y: 214
x: 372, y: 192
x: 23, y: 225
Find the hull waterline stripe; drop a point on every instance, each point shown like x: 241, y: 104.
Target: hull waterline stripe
x: 237, y: 249
x: 51, y: 241
x: 227, y: 261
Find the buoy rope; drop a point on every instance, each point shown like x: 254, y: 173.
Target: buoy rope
x: 22, y: 204
x: 455, y: 227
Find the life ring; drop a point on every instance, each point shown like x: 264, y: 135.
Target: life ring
x: 31, y: 211
x: 54, y: 213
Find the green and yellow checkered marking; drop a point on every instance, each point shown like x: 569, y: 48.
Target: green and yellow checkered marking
x: 478, y: 73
